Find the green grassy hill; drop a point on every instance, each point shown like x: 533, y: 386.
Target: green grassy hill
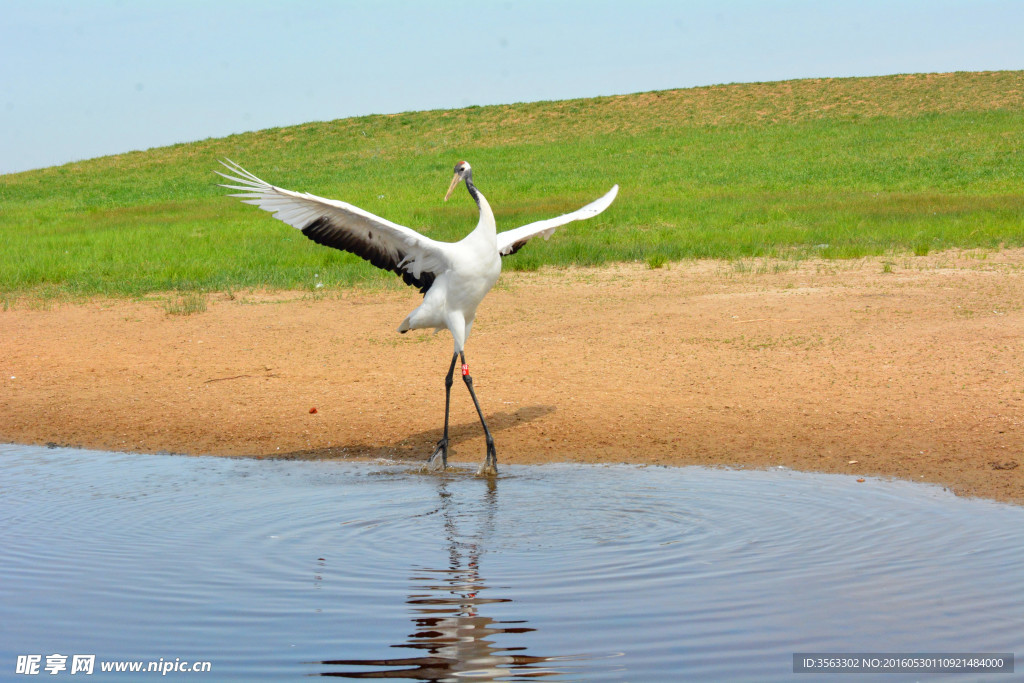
x: 862, y: 165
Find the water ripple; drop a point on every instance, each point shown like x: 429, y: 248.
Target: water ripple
x: 282, y: 569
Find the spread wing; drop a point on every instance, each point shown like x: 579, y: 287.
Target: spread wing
x: 511, y: 241
x: 387, y: 245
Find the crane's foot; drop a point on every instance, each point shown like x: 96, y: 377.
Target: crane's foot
x: 438, y: 460
x: 490, y: 466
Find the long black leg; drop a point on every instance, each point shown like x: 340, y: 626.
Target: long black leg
x: 442, y: 445
x: 490, y: 466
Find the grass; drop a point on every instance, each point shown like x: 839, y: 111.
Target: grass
x: 839, y: 168
x: 186, y: 303
x: 656, y: 260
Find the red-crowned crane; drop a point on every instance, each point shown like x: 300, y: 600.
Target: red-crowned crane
x: 454, y: 277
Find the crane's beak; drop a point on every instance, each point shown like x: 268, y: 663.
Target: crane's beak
x: 451, y: 188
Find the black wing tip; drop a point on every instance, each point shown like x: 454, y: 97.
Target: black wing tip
x: 516, y: 246
x: 321, y: 231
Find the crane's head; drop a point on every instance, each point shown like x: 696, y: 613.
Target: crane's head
x: 462, y: 171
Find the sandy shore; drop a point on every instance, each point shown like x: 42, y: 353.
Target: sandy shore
x: 832, y: 366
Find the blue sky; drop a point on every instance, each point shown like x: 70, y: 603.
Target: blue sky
x: 85, y: 78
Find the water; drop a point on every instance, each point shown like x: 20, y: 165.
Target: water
x: 280, y: 570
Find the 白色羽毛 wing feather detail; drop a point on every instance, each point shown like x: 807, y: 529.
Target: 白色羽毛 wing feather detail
x: 389, y: 246
x: 511, y: 241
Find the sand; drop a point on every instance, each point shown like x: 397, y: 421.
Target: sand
x: 906, y: 366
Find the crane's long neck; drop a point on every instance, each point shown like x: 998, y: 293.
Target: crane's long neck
x: 487, y: 225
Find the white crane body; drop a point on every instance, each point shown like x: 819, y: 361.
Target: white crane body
x: 473, y: 267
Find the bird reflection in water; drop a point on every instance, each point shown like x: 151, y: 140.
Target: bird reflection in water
x: 453, y: 634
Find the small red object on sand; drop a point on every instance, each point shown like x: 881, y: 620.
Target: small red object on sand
x: 312, y: 411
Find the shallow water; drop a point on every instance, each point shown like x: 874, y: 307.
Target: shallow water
x: 279, y: 570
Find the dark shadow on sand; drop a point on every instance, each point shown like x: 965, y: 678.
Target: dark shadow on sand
x: 418, y: 447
